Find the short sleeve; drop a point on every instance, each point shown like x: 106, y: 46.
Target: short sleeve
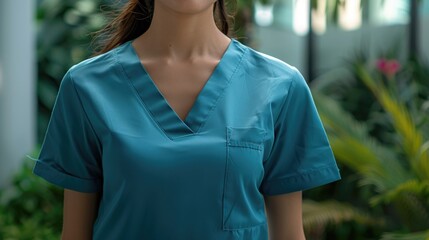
x: 301, y: 156
x: 70, y: 152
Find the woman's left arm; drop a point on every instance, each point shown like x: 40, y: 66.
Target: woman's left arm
x: 284, y: 214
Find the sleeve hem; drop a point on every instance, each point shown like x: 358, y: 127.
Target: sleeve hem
x: 64, y: 180
x: 303, y: 181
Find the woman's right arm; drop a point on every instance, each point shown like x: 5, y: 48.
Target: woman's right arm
x: 79, y: 213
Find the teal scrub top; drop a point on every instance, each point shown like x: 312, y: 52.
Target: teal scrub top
x: 253, y: 130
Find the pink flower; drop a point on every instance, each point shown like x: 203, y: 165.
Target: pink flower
x: 388, y: 67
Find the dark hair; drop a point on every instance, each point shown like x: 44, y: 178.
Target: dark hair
x: 134, y: 19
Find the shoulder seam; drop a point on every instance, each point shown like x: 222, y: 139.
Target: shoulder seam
x: 83, y: 108
x: 286, y: 99
x: 107, y: 55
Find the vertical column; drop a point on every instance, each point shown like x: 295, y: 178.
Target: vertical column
x: 413, y: 27
x: 17, y: 85
x: 310, y: 45
x: 423, y: 29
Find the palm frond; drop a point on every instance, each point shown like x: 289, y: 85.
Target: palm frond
x: 411, y: 203
x: 415, y: 187
x: 424, y: 235
x: 353, y: 146
x: 317, y: 215
x: 412, y: 139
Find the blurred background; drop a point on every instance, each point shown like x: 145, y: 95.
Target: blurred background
x: 366, y: 62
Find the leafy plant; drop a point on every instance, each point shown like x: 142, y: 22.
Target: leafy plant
x: 317, y: 216
x: 31, y: 209
x: 397, y: 170
x: 64, y: 30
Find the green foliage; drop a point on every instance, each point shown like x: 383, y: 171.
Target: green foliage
x: 64, y: 30
x: 318, y: 215
x: 31, y: 209
x: 407, y: 236
x: 395, y: 170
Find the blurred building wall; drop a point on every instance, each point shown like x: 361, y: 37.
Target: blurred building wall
x: 17, y: 85
x: 282, y: 44
x: 335, y: 46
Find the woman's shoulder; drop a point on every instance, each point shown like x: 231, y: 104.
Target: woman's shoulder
x: 96, y: 65
x: 273, y: 68
x: 282, y: 80
x: 278, y: 73
x: 93, y: 72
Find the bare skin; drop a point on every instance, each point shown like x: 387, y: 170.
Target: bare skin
x: 284, y: 215
x: 79, y: 213
x: 180, y: 50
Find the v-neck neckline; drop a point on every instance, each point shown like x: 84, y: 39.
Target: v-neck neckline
x: 157, y: 104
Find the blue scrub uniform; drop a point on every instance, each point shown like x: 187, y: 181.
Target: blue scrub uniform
x: 252, y: 131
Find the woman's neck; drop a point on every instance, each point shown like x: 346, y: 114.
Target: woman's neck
x: 182, y: 35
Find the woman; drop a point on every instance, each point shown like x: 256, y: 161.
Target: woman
x: 177, y: 131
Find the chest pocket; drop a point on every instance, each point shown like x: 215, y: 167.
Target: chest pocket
x: 243, y: 204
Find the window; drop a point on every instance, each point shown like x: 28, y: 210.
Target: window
x: 293, y: 14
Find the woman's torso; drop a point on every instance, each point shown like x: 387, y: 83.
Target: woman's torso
x: 169, y: 178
